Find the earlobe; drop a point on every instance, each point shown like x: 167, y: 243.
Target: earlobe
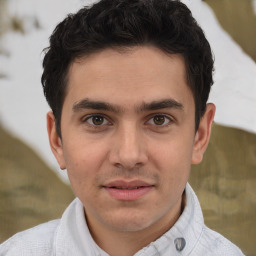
x: 203, y: 133
x: 55, y: 140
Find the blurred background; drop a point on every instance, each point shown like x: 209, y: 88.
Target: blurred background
x: 32, y: 188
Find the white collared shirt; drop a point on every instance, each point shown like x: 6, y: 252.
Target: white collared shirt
x: 70, y: 236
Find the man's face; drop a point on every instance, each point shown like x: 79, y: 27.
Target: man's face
x: 128, y: 137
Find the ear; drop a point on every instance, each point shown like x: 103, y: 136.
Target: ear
x: 203, y: 133
x: 55, y: 140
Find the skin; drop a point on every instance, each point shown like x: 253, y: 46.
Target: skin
x: 129, y: 116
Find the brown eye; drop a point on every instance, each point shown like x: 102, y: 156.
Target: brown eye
x: 96, y: 120
x: 159, y: 120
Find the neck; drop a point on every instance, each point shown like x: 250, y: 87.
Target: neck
x: 127, y: 243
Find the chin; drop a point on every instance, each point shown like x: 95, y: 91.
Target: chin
x: 129, y: 222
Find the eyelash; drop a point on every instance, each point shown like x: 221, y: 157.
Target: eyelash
x: 167, y: 119
x: 87, y: 118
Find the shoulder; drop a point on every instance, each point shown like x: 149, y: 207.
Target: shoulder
x: 207, y: 242
x: 213, y: 243
x: 37, y: 241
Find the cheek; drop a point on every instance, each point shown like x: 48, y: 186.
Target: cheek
x: 84, y: 160
x: 173, y: 160
x: 83, y: 164
x: 173, y: 154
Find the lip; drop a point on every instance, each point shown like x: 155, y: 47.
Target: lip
x: 128, y: 190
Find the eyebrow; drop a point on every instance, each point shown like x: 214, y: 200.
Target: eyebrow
x: 161, y: 104
x: 97, y: 105
x: 100, y: 105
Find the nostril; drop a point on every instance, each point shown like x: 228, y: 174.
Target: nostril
x: 118, y: 165
x: 128, y: 167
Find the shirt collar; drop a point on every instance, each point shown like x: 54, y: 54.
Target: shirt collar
x: 73, y: 235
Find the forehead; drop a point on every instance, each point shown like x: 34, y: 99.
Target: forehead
x: 130, y: 75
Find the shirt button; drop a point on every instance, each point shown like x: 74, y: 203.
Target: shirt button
x: 180, y: 243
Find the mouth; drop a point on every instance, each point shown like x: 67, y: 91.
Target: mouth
x: 128, y: 188
x: 128, y: 191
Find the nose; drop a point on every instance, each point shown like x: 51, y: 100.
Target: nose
x: 128, y: 148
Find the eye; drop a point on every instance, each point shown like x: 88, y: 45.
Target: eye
x: 159, y: 120
x: 96, y: 120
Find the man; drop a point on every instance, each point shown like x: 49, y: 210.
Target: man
x: 127, y: 82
